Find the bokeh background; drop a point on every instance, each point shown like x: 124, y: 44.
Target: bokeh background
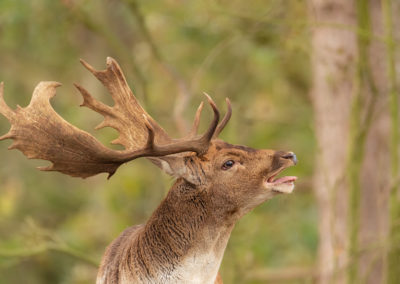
x: 298, y: 76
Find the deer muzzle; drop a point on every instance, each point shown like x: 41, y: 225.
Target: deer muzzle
x: 284, y: 184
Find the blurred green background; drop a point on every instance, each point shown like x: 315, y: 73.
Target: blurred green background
x: 54, y: 228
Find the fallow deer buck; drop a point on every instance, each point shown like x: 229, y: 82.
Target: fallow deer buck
x: 216, y: 182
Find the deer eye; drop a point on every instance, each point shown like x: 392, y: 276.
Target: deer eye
x: 228, y: 164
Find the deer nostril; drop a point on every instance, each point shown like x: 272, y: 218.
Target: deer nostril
x: 290, y: 156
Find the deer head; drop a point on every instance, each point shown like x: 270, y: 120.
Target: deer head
x: 230, y: 180
x: 239, y: 177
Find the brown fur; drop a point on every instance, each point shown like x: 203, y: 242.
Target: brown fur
x: 193, y: 217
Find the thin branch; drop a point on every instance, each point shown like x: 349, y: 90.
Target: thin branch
x: 46, y: 241
x: 74, y: 253
x: 211, y: 56
x: 305, y: 23
x: 184, y: 94
x: 281, y: 274
x: 23, y: 253
x: 43, y: 248
x: 114, y: 42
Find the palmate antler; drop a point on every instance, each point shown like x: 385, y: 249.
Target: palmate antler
x: 40, y: 133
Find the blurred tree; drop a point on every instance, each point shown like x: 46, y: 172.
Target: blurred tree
x: 334, y: 60
x: 353, y: 179
x: 391, y: 24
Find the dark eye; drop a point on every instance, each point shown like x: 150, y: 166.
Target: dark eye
x: 228, y: 164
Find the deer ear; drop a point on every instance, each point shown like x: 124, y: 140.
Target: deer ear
x: 174, y: 165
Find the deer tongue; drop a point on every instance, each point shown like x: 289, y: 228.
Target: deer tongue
x: 286, y: 179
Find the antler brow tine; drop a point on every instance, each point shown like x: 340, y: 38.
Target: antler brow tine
x: 196, y: 121
x: 220, y: 126
x: 226, y: 118
x: 211, y: 130
x: 4, y: 108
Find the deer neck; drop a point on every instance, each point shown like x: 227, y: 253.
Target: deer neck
x: 185, y: 238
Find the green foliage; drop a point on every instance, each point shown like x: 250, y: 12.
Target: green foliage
x: 256, y: 53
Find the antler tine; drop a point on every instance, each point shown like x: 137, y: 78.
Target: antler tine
x: 6, y: 111
x: 126, y: 114
x: 211, y: 129
x: 196, y: 121
x: 90, y: 102
x: 220, y: 126
x: 150, y: 137
x: 226, y: 118
x: 198, y: 145
x: 4, y: 108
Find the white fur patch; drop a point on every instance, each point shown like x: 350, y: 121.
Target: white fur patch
x: 166, y: 167
x: 198, y: 269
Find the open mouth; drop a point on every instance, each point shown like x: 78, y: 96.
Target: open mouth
x: 282, y: 185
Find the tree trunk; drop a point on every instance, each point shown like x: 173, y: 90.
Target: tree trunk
x: 375, y: 171
x: 352, y: 177
x: 334, y: 52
